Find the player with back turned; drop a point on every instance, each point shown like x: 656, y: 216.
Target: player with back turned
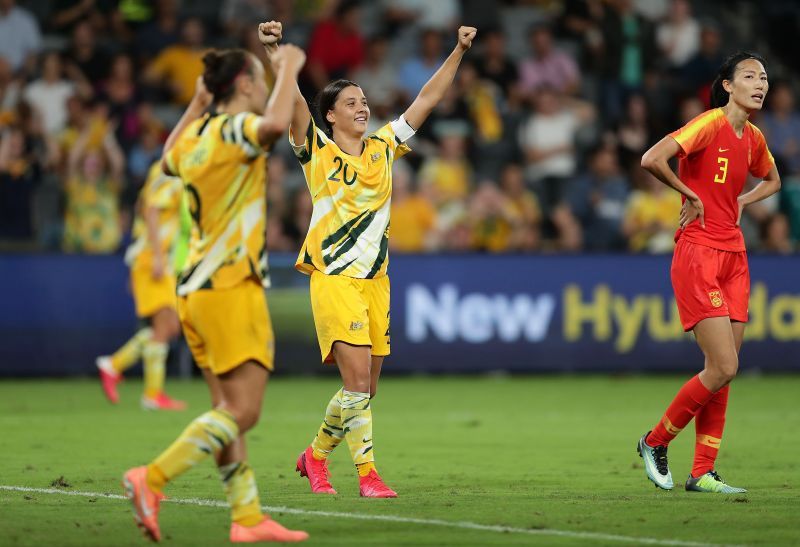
x: 221, y: 159
x: 710, y: 275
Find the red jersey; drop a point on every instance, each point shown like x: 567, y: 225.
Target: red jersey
x: 714, y: 163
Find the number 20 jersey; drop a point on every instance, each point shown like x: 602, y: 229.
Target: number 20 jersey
x: 714, y: 163
x: 349, y: 229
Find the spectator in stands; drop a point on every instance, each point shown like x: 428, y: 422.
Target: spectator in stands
x: 20, y: 171
x: 414, y: 218
x: 121, y: 93
x: 48, y: 95
x: 87, y: 56
x: 781, y: 125
x: 775, y: 235
x: 297, y: 217
x: 94, y: 181
x: 237, y: 16
x: 633, y: 133
x: 678, y: 37
x: 378, y: 78
x: 336, y: 47
x: 160, y: 33
x: 67, y: 14
x: 177, y: 67
x: 597, y: 199
x: 145, y: 151
x: 417, y: 70
x: 494, y: 221
x: 700, y: 70
x: 651, y: 215
x: 20, y: 39
x: 10, y: 90
x: 548, y: 66
x: 446, y: 176
x: 494, y: 64
x: 524, y: 206
x: 440, y: 15
x: 548, y: 142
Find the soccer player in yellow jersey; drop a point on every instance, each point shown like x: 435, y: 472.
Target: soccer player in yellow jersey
x: 349, y: 175
x: 150, y: 258
x: 221, y: 159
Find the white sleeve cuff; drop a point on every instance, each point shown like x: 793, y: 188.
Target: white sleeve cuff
x: 402, y: 131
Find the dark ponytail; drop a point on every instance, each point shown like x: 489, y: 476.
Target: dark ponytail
x: 327, y: 98
x: 719, y: 97
x: 221, y: 70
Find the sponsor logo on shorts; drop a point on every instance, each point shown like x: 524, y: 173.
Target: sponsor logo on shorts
x: 716, y: 298
x: 356, y: 325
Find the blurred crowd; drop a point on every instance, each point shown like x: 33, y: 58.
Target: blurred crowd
x: 535, y: 148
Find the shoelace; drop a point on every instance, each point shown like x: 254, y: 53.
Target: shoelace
x: 660, y: 457
x: 716, y: 477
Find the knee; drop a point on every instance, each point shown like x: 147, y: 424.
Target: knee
x: 246, y: 416
x: 727, y: 368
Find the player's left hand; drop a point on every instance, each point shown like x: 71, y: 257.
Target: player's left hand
x: 741, y: 209
x: 465, y: 37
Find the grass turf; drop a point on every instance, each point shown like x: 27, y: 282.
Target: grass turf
x: 527, y: 452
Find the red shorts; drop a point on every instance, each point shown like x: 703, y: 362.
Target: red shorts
x: 709, y: 282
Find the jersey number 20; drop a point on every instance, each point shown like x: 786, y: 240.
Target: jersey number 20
x: 342, y: 167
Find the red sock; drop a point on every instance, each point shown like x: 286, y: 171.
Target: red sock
x: 708, y: 424
x: 689, y: 400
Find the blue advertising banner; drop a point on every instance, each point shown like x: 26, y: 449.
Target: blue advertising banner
x: 470, y: 313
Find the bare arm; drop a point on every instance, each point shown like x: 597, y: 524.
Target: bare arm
x: 270, y: 34
x: 77, y: 151
x: 201, y: 100
x: 764, y: 189
x: 435, y: 88
x: 655, y: 160
x: 115, y: 155
x: 287, y: 61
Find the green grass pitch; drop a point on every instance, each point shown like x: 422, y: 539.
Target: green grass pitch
x: 549, y: 458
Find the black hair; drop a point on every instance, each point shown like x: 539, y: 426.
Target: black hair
x: 719, y: 97
x: 222, y: 67
x: 327, y: 98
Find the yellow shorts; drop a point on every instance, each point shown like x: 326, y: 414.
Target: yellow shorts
x: 225, y: 328
x: 355, y: 311
x: 151, y: 295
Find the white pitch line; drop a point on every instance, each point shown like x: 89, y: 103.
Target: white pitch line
x: 390, y: 518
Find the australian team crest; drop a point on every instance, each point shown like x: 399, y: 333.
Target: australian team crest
x: 716, y: 298
x: 375, y: 157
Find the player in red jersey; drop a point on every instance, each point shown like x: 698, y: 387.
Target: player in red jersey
x: 709, y: 272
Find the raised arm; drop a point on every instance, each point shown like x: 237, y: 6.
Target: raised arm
x: 435, y: 88
x: 656, y: 161
x: 115, y: 155
x: 286, y: 61
x: 270, y: 34
x: 197, y: 106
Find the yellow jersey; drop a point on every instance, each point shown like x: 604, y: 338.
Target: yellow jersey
x: 224, y: 173
x: 349, y: 229
x: 165, y: 194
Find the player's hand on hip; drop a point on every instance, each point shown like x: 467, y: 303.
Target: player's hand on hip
x: 465, y: 37
x: 270, y: 33
x: 692, y: 210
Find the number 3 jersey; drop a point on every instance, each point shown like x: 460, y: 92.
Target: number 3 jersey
x: 714, y: 163
x: 349, y: 230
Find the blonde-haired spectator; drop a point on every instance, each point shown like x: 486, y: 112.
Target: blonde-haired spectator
x: 414, y: 218
x: 178, y: 66
x: 651, y: 216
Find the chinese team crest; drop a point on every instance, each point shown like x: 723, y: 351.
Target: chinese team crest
x: 716, y: 298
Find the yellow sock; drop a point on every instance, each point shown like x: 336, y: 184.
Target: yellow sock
x: 206, y: 435
x: 330, y: 433
x: 239, y: 482
x: 126, y: 356
x: 357, y: 424
x: 154, y: 356
x: 365, y: 468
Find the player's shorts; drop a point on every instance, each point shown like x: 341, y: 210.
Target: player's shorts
x: 354, y: 311
x: 225, y: 328
x: 151, y: 295
x: 709, y: 282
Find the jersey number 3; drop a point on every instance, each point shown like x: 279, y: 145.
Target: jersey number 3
x: 342, y: 167
x: 723, y: 170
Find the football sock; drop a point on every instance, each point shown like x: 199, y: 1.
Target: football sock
x: 154, y: 356
x: 239, y: 483
x: 365, y: 468
x: 330, y: 433
x: 708, y: 424
x: 689, y: 400
x: 126, y: 356
x: 206, y: 435
x: 357, y: 424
